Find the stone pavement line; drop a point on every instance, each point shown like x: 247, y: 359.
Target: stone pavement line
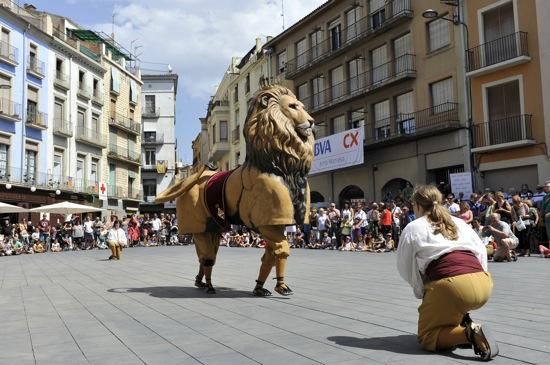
x: 27, y: 322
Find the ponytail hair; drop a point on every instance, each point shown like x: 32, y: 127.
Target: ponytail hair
x: 430, y: 199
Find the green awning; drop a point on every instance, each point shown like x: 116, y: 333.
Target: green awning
x: 96, y: 37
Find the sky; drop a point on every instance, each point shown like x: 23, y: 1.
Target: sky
x: 197, y: 38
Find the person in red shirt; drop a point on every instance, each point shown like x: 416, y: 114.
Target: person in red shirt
x: 44, y: 227
x: 385, y: 219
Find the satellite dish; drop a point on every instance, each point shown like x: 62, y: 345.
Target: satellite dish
x: 169, y: 68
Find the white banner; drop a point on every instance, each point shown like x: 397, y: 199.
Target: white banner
x: 102, y: 189
x: 461, y: 183
x: 339, y: 150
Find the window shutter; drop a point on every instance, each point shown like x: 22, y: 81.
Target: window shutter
x: 381, y: 114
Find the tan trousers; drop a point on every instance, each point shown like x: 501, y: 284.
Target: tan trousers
x: 447, y: 300
x: 115, y: 249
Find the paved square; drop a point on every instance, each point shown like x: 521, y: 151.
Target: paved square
x: 349, y: 308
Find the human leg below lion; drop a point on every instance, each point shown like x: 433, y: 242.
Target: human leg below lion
x: 276, y: 254
x: 206, y: 245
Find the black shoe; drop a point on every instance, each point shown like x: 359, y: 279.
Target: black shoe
x: 283, y: 289
x: 261, y: 292
x: 112, y: 257
x: 482, y: 340
x: 210, y: 289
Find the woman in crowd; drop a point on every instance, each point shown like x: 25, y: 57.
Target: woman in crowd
x: 78, y: 234
x: 532, y: 233
x: 445, y: 262
x: 465, y: 212
x: 133, y: 231
x: 521, y: 220
x: 502, y: 207
x: 117, y: 240
x: 346, y: 224
x: 88, y: 233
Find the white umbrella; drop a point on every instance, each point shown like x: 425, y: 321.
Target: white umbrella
x: 8, y: 208
x: 66, y: 208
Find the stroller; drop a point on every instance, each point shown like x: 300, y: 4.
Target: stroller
x: 173, y: 234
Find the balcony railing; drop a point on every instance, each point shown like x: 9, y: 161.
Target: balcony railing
x: 36, y: 67
x: 511, y: 129
x: 377, y: 77
x: 499, y: 50
x: 124, y: 154
x: 152, y: 139
x: 91, y: 137
x: 97, y: 98
x: 84, y: 91
x: 62, y: 127
x: 374, y: 22
x: 8, y: 53
x: 124, y: 192
x: 37, y: 119
x: 148, y: 167
x: 10, y: 109
x: 236, y: 134
x: 149, y: 112
x: 61, y: 80
x: 125, y: 123
x: 404, y: 126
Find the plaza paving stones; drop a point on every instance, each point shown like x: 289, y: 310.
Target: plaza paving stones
x: 349, y: 308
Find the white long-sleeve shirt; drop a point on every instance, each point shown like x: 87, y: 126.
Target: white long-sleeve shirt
x: 418, y: 246
x: 118, y: 236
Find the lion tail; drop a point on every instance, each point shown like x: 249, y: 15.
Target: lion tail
x: 180, y: 187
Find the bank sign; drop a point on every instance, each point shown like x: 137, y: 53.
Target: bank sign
x: 340, y: 150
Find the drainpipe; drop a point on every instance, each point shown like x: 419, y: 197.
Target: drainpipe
x: 23, y: 97
x: 72, y: 140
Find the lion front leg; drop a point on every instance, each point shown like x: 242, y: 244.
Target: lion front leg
x: 276, y: 254
x: 206, y: 245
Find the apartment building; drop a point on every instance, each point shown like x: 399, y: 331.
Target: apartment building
x: 381, y: 66
x: 250, y: 74
x: 505, y: 64
x: 200, y: 146
x: 24, y: 108
x: 158, y: 140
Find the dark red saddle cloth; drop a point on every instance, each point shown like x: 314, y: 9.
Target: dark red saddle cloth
x: 214, y: 198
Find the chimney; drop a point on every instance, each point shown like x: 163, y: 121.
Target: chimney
x: 258, y: 44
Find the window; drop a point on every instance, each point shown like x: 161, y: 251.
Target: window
x: 131, y: 114
x: 29, y: 168
x: 335, y: 32
x: 438, y: 34
x: 357, y: 118
x: 247, y: 84
x: 5, y: 47
x: 93, y: 171
x: 81, y: 80
x: 377, y: 13
x: 237, y: 117
x: 97, y: 93
x: 81, y: 119
x: 150, y: 188
x: 57, y: 166
x: 356, y: 76
x: 112, y: 179
x: 505, y: 122
x: 379, y: 58
x: 339, y: 124
x: 133, y: 92
x: 4, y: 148
x: 59, y: 70
x: 32, y: 106
x: 497, y: 24
x: 401, y: 50
x: 318, y: 91
x: 301, y: 53
x: 302, y: 91
x: 150, y: 104
x: 352, y: 22
x: 281, y: 62
x: 150, y: 157
x: 79, y: 177
x: 236, y: 93
x: 58, y: 115
x: 442, y: 93
x: 223, y: 131
x: 5, y: 95
x: 115, y: 80
x: 149, y: 136
x: 382, y: 121
x: 214, y: 134
x: 337, y: 81
x: 33, y: 57
x: 315, y: 40
x: 405, y: 113
x: 95, y: 123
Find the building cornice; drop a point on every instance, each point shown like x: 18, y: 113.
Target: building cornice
x: 67, y: 50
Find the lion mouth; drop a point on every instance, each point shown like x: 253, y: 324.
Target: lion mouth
x: 305, y: 129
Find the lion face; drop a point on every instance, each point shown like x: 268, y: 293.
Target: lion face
x: 294, y: 110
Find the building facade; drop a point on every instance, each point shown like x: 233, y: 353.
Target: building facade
x: 381, y: 66
x: 158, y: 140
x: 505, y: 64
x: 200, y: 146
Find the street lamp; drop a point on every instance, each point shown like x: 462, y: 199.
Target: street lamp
x: 430, y: 14
x: 58, y: 192
x: 8, y: 186
x: 33, y: 189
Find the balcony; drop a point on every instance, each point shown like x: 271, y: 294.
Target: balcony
x: 67, y: 183
x: 410, y: 126
x: 151, y: 140
x: 124, y: 192
x: 61, y: 80
x: 10, y: 110
x: 149, y: 168
x: 219, y: 106
x: 500, y: 53
x: 124, y: 155
x: 218, y: 150
x: 62, y: 128
x: 126, y: 124
x: 149, y: 112
x: 91, y: 137
x: 36, y: 67
x: 8, y: 53
x: 84, y: 92
x: 376, y: 22
x: 236, y: 134
x: 386, y: 74
x: 510, y: 132
x: 36, y: 119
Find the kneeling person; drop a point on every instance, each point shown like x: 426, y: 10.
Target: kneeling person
x: 117, y: 239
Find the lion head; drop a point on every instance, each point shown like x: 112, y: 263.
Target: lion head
x: 279, y: 133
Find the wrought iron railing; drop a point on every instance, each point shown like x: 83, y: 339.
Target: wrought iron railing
x: 10, y: 108
x: 36, y: 66
x: 505, y: 130
x: 157, y: 138
x: 90, y: 136
x: 61, y: 79
x: 125, y: 122
x: 62, y: 127
x: 8, y: 52
x: 36, y: 118
x: 124, y: 153
x: 497, y: 51
x: 150, y: 112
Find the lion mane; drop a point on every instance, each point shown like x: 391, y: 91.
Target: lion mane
x: 275, y: 147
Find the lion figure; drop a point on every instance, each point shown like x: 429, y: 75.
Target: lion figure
x: 268, y: 192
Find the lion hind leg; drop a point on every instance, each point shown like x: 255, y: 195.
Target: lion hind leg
x: 276, y: 254
x: 206, y: 245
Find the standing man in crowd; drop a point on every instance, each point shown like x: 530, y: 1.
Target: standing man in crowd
x: 155, y: 225
x: 44, y: 228
x: 451, y: 205
x: 335, y: 219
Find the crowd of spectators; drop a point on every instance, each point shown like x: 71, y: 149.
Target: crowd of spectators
x: 93, y: 233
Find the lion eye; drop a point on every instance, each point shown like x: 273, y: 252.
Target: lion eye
x: 293, y: 106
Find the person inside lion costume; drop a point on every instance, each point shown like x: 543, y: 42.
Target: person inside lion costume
x: 268, y: 192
